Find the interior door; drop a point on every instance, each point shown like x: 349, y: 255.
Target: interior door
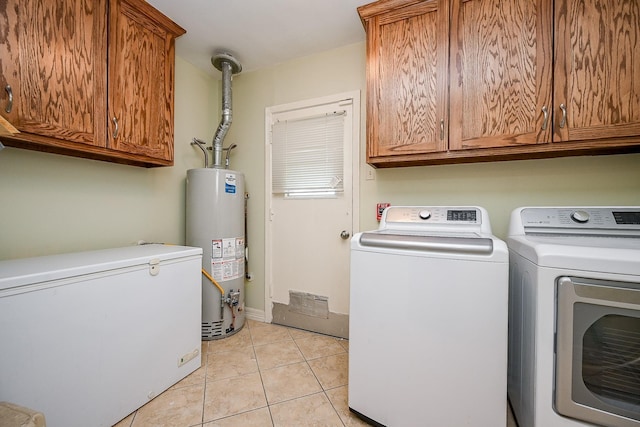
x: 308, y: 237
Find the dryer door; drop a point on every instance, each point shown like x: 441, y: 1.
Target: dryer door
x: 597, y: 373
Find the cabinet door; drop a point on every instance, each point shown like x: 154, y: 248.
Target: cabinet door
x: 406, y: 78
x: 597, y: 75
x: 500, y: 73
x: 141, y: 80
x: 52, y: 57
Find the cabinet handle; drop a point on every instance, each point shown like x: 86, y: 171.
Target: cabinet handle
x: 563, y: 121
x: 441, y: 130
x: 546, y: 117
x: 10, y: 103
x: 115, y: 132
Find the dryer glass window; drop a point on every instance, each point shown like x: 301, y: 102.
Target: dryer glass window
x: 597, y: 366
x: 611, y: 359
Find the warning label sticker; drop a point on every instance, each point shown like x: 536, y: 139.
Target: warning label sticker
x: 227, y: 269
x: 229, y: 248
x: 227, y: 258
x: 240, y: 247
x: 216, y: 249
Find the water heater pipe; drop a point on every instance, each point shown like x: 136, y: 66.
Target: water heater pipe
x: 217, y: 285
x: 200, y: 145
x: 229, y: 66
x: 228, y: 150
x: 212, y: 280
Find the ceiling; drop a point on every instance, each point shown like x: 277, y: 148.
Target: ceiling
x: 261, y: 33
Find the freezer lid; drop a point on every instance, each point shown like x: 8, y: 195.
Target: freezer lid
x: 28, y: 271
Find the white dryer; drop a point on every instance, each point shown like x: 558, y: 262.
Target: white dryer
x: 428, y: 320
x: 574, y: 316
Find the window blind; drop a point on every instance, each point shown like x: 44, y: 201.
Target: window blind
x: 307, y: 155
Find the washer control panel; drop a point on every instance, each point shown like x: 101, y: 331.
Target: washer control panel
x: 582, y: 217
x: 432, y: 215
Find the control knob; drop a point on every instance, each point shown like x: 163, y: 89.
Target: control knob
x: 425, y: 214
x: 580, y: 217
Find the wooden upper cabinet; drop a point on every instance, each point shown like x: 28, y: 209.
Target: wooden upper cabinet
x: 406, y: 76
x: 52, y: 65
x: 508, y: 79
x: 141, y: 79
x: 75, y: 65
x: 597, y: 76
x: 500, y: 81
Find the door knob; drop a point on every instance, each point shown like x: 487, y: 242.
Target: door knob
x: 345, y: 234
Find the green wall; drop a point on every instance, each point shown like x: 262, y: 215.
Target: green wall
x: 53, y: 204
x: 498, y: 186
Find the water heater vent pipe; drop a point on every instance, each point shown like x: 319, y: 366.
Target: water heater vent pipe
x: 229, y: 66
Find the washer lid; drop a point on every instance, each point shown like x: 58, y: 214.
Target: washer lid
x: 460, y: 232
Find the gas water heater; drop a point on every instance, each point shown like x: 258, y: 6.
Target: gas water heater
x: 215, y: 216
x: 215, y: 223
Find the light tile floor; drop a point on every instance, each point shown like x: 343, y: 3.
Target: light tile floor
x: 263, y: 376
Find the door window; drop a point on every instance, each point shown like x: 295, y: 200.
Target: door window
x: 307, y: 156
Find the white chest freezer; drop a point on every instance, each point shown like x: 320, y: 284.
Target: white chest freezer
x: 87, y: 338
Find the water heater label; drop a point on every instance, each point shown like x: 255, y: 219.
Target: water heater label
x: 223, y: 270
x: 216, y: 249
x: 227, y: 258
x: 229, y: 248
x: 230, y: 183
x: 240, y: 248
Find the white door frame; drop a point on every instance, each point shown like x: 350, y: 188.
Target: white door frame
x: 354, y: 96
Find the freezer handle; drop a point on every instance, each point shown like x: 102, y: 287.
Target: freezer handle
x: 466, y: 245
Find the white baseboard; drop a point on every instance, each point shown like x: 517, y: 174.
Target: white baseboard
x: 254, y: 314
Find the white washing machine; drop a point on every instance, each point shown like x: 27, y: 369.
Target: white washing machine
x: 574, y: 316
x: 428, y: 320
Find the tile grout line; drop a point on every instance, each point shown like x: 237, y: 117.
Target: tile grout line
x: 266, y: 399
x: 317, y: 379
x: 204, y: 389
x: 207, y: 349
x: 252, y: 346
